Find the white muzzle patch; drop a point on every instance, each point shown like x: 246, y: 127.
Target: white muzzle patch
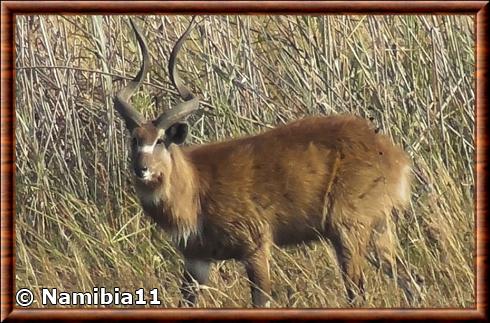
x: 146, y: 175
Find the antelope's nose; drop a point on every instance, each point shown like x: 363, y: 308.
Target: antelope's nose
x: 141, y: 172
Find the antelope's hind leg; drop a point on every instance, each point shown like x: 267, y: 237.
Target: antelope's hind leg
x: 196, y: 272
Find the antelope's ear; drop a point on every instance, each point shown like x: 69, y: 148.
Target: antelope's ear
x: 177, y: 133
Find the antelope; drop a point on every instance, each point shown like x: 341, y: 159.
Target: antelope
x: 332, y: 177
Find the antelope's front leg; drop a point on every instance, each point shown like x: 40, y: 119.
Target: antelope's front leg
x: 257, y: 266
x: 196, y: 272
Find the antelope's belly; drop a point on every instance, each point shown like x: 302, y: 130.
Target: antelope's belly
x: 206, y: 249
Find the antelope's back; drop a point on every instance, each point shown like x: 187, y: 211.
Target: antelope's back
x: 290, y: 178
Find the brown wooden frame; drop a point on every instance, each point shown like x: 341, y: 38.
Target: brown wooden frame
x: 10, y: 8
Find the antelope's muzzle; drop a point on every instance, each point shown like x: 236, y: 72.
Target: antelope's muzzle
x: 142, y: 172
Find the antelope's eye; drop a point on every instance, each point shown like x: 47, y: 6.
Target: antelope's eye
x: 160, y: 141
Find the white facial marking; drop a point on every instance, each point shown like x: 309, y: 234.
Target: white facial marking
x: 146, y: 149
x: 146, y: 175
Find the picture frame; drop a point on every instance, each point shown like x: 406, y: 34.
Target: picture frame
x: 12, y: 8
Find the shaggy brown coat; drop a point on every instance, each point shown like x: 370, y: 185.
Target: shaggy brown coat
x: 331, y: 177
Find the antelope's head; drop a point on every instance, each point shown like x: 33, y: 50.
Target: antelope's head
x: 151, y: 141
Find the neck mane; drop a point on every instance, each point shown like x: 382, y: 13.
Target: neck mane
x: 174, y: 201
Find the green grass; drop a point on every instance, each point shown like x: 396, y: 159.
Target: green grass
x: 78, y: 223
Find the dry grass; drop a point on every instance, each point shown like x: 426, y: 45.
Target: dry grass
x: 78, y: 223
